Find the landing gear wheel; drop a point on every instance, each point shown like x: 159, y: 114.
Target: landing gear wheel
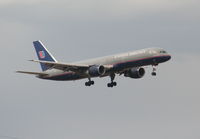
x: 114, y: 83
x: 110, y: 85
x: 92, y: 82
x: 89, y: 83
x: 153, y: 73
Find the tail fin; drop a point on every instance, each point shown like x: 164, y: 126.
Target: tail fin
x: 43, y: 54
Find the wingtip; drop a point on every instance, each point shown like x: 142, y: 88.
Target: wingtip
x: 18, y: 71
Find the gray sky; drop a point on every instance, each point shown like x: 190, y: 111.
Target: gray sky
x: 163, y: 107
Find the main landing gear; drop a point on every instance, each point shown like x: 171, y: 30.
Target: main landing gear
x: 154, y: 71
x: 89, y: 83
x: 112, y: 77
x: 111, y: 84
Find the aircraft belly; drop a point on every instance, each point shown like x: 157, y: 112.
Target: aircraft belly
x: 66, y: 77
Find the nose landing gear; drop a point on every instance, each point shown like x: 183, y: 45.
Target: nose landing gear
x: 154, y: 71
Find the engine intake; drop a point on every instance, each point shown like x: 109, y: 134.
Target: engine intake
x: 96, y: 70
x: 135, y: 73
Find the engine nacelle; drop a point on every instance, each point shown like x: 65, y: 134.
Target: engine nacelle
x: 96, y: 70
x: 135, y: 73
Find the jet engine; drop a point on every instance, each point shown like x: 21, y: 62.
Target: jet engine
x: 135, y: 73
x: 96, y: 70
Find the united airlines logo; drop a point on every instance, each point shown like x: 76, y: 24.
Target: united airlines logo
x: 41, y: 54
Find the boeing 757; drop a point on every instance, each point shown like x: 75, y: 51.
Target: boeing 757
x: 129, y: 64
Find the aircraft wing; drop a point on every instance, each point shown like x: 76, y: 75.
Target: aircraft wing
x: 33, y: 73
x: 63, y: 66
x: 67, y: 66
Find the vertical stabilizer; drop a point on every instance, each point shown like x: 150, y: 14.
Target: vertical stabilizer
x: 43, y: 54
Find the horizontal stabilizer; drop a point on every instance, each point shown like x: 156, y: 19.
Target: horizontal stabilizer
x: 33, y: 73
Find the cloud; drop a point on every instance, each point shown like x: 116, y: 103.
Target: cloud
x: 106, y: 8
x: 136, y: 108
x: 4, y: 2
x: 130, y: 8
x: 78, y: 29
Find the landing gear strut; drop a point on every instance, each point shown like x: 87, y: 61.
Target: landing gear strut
x: 112, y: 77
x: 89, y: 83
x: 154, y: 71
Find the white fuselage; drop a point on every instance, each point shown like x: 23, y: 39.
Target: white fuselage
x: 119, y: 62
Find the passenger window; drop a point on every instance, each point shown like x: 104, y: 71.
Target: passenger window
x: 164, y: 52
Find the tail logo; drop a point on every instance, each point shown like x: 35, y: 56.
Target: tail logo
x: 42, y: 54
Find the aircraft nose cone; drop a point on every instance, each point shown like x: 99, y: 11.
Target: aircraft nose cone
x: 169, y: 57
x: 166, y: 58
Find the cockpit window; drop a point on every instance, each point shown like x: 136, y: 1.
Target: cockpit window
x: 164, y: 52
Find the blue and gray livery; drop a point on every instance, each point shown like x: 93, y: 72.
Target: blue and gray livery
x: 129, y: 64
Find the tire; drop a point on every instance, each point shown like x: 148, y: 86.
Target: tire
x: 110, y: 85
x: 114, y: 83
x: 92, y: 82
x: 87, y: 84
x: 153, y: 73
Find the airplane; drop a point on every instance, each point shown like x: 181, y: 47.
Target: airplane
x: 129, y: 64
